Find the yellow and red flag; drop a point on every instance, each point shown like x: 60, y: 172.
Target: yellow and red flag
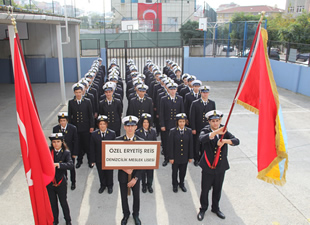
x: 259, y: 94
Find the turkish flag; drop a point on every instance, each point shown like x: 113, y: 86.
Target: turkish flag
x: 38, y: 163
x: 151, y: 11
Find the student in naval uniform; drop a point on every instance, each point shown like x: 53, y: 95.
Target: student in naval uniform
x: 57, y: 189
x: 140, y: 104
x: 178, y: 78
x: 80, y: 114
x: 167, y: 67
x: 148, y: 134
x: 170, y: 106
x: 197, y: 118
x: 112, y: 108
x: 180, y: 151
x: 130, y: 126
x: 189, y: 86
x: 192, y: 96
x: 99, y: 135
x: 210, y: 137
x: 70, y: 136
x: 184, y: 83
x: 89, y: 96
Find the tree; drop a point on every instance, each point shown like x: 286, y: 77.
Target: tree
x: 276, y: 24
x: 297, y: 31
x: 238, y: 22
x: 189, y: 30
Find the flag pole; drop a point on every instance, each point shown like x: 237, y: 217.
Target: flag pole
x: 214, y: 164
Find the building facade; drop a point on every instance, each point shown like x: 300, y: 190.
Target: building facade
x: 170, y: 14
x: 296, y: 7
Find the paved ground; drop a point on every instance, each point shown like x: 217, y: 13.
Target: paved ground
x: 245, y: 199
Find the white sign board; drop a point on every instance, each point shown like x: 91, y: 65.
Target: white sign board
x: 293, y: 54
x: 130, y: 154
x: 128, y: 25
x: 203, y: 24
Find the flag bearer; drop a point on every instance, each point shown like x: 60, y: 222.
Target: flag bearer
x: 57, y: 189
x: 210, y: 137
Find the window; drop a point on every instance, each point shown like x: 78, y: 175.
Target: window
x: 290, y: 9
x: 300, y: 9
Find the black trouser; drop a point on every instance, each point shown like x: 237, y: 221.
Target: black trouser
x: 59, y: 192
x: 72, y: 172
x: 147, y: 177
x: 156, y: 123
x: 136, y: 198
x: 84, y: 139
x: 105, y: 176
x: 181, y: 168
x: 216, y: 182
x: 164, y: 141
x: 196, y: 146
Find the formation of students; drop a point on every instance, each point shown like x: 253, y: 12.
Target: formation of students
x: 175, y: 106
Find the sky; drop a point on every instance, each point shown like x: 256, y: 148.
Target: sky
x: 215, y: 4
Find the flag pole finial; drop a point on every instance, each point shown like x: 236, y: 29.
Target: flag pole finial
x: 10, y: 13
x: 262, y: 16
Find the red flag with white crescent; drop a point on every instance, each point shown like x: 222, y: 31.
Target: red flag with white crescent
x: 38, y: 164
x: 152, y: 12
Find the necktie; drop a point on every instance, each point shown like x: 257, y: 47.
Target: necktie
x: 79, y: 102
x: 63, y: 131
x: 102, y: 136
x: 181, y: 132
x: 141, y: 100
x: 146, y: 133
x: 109, y: 103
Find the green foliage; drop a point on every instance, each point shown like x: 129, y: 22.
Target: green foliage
x: 189, y: 30
x: 238, y: 26
x: 297, y: 31
x: 276, y: 24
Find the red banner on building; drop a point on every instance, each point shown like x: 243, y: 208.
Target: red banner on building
x: 151, y: 12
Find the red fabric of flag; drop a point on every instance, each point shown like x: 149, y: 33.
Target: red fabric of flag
x: 38, y: 164
x: 257, y: 95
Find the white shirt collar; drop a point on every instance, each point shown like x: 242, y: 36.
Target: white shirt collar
x: 64, y: 127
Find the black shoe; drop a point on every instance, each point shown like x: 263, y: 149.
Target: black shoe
x: 101, y: 189
x: 144, y: 189
x: 110, y: 190
x: 124, y: 220
x: 68, y: 223
x: 196, y: 163
x: 175, y: 189
x: 72, y: 186
x: 150, y: 189
x: 183, y: 188
x: 55, y: 223
x: 201, y: 215
x: 219, y: 214
x: 137, y: 220
x: 78, y: 165
x: 165, y: 163
x: 90, y: 165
